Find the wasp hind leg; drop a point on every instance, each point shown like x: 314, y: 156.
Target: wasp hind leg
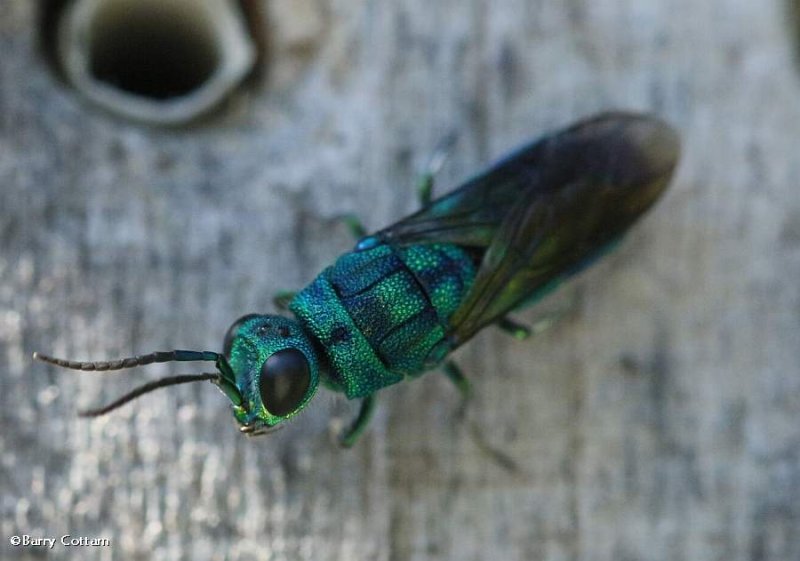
x: 521, y: 331
x: 349, y: 436
x: 518, y: 331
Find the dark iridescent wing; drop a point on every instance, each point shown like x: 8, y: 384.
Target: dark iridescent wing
x: 547, y: 210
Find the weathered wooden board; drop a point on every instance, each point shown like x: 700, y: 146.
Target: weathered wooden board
x: 660, y: 420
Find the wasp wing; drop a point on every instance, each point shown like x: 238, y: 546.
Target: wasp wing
x: 546, y: 211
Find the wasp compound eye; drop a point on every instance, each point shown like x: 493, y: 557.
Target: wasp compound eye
x: 285, y: 378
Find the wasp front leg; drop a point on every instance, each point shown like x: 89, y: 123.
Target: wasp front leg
x: 349, y: 436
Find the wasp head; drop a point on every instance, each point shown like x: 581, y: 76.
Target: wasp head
x: 275, y: 369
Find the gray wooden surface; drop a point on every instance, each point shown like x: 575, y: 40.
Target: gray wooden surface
x: 660, y: 420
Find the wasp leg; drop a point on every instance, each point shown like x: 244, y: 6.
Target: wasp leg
x: 501, y: 458
x: 281, y: 299
x: 353, y: 224
x: 351, y: 433
x: 516, y: 330
x: 455, y: 375
x: 522, y: 332
x: 425, y: 189
x: 426, y: 182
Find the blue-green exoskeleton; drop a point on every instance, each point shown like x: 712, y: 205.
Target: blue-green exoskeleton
x: 410, y: 294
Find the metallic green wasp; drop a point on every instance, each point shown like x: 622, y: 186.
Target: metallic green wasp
x: 407, y: 296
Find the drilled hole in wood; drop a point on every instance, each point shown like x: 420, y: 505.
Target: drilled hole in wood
x: 159, y: 61
x: 154, y: 49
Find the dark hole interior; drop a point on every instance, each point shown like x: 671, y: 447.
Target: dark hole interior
x: 156, y: 49
x: 794, y: 23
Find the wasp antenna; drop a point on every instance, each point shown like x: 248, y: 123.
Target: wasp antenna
x: 120, y: 364
x: 147, y: 388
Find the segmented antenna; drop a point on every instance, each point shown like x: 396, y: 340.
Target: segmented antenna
x: 130, y: 362
x: 146, y: 388
x: 122, y: 363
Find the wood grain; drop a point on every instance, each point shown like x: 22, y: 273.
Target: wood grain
x: 658, y: 421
